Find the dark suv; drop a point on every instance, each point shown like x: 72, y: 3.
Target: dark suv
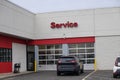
x: 69, y: 64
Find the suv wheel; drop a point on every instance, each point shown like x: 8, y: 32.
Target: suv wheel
x: 58, y: 73
x: 78, y: 72
x: 82, y: 70
x: 114, y: 76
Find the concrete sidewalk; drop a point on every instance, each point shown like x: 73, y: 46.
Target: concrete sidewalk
x: 5, y: 75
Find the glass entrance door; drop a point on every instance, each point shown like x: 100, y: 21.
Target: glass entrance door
x: 30, y: 61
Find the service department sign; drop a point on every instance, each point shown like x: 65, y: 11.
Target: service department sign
x: 64, y: 25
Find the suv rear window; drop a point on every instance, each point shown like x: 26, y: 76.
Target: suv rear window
x: 66, y: 59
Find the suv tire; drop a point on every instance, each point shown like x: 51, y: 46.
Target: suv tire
x: 114, y: 76
x: 82, y: 70
x: 58, y: 73
x: 78, y: 72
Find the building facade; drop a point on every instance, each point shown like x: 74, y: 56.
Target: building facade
x: 36, y: 41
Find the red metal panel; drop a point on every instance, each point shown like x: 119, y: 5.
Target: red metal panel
x: 62, y: 41
x: 5, y: 67
x: 6, y: 42
x: 16, y: 40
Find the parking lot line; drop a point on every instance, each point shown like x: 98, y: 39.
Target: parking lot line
x: 89, y: 75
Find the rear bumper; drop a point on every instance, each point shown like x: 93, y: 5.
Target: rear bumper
x: 68, y: 69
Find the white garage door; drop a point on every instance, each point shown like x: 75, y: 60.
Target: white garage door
x: 49, y: 54
x: 19, y: 55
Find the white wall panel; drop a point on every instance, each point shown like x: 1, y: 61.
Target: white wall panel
x: 107, y: 21
x: 106, y: 50
x: 19, y: 55
x: 94, y: 22
x: 15, y: 20
x: 85, y: 20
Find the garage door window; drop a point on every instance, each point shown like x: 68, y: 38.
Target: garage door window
x: 49, y: 54
x: 84, y: 51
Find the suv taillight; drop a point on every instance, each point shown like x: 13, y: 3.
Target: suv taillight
x: 59, y: 61
x: 73, y: 61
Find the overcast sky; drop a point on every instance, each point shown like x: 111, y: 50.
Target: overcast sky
x: 41, y: 6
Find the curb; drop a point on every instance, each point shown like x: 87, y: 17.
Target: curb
x: 14, y: 74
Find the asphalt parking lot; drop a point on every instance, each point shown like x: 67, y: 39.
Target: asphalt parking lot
x: 48, y: 75
x: 51, y: 75
x: 102, y: 75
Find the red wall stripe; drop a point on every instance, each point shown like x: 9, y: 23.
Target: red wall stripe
x: 16, y: 40
x: 5, y: 67
x: 61, y: 41
x: 6, y: 42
